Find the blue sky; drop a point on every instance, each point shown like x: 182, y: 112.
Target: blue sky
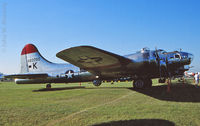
x: 119, y: 26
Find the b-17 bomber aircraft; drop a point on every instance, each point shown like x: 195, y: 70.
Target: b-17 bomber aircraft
x: 92, y: 64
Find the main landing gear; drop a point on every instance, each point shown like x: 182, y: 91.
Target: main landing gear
x: 48, y: 86
x: 142, y: 83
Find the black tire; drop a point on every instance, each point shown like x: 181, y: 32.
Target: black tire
x: 162, y: 80
x: 139, y: 84
x: 48, y: 86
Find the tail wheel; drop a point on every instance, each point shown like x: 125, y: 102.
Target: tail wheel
x: 97, y: 82
x: 48, y: 86
x: 138, y: 84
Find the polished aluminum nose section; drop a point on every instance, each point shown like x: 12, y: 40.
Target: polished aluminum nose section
x: 186, y: 58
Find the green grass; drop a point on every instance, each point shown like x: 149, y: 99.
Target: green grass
x: 117, y: 104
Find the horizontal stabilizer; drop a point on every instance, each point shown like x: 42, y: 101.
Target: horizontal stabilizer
x: 27, y: 76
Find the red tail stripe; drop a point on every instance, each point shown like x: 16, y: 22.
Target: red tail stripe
x: 29, y: 48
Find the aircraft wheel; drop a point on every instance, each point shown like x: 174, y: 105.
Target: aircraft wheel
x: 48, y: 86
x: 138, y: 84
x: 96, y: 82
x: 148, y: 83
x: 162, y: 80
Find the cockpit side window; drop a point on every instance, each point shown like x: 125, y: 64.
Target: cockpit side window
x: 177, y: 56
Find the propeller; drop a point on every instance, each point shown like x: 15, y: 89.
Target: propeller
x: 158, y: 60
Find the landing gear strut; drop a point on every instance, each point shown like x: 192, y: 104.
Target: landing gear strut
x: 148, y: 83
x: 48, y: 86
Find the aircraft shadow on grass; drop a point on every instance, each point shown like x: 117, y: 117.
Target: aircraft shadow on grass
x: 138, y: 122
x: 179, y: 92
x: 76, y: 87
x: 57, y: 89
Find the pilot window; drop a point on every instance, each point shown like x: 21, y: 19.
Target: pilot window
x: 176, y: 56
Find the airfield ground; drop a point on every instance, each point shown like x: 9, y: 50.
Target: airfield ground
x: 117, y: 104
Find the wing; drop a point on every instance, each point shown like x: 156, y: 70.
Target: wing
x: 93, y: 59
x: 27, y: 76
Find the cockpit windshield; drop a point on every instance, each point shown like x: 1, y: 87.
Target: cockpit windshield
x: 161, y: 51
x: 177, y: 56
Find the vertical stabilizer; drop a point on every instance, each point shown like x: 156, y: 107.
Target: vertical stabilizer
x: 32, y: 61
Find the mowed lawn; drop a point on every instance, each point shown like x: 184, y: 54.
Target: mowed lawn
x: 117, y: 104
